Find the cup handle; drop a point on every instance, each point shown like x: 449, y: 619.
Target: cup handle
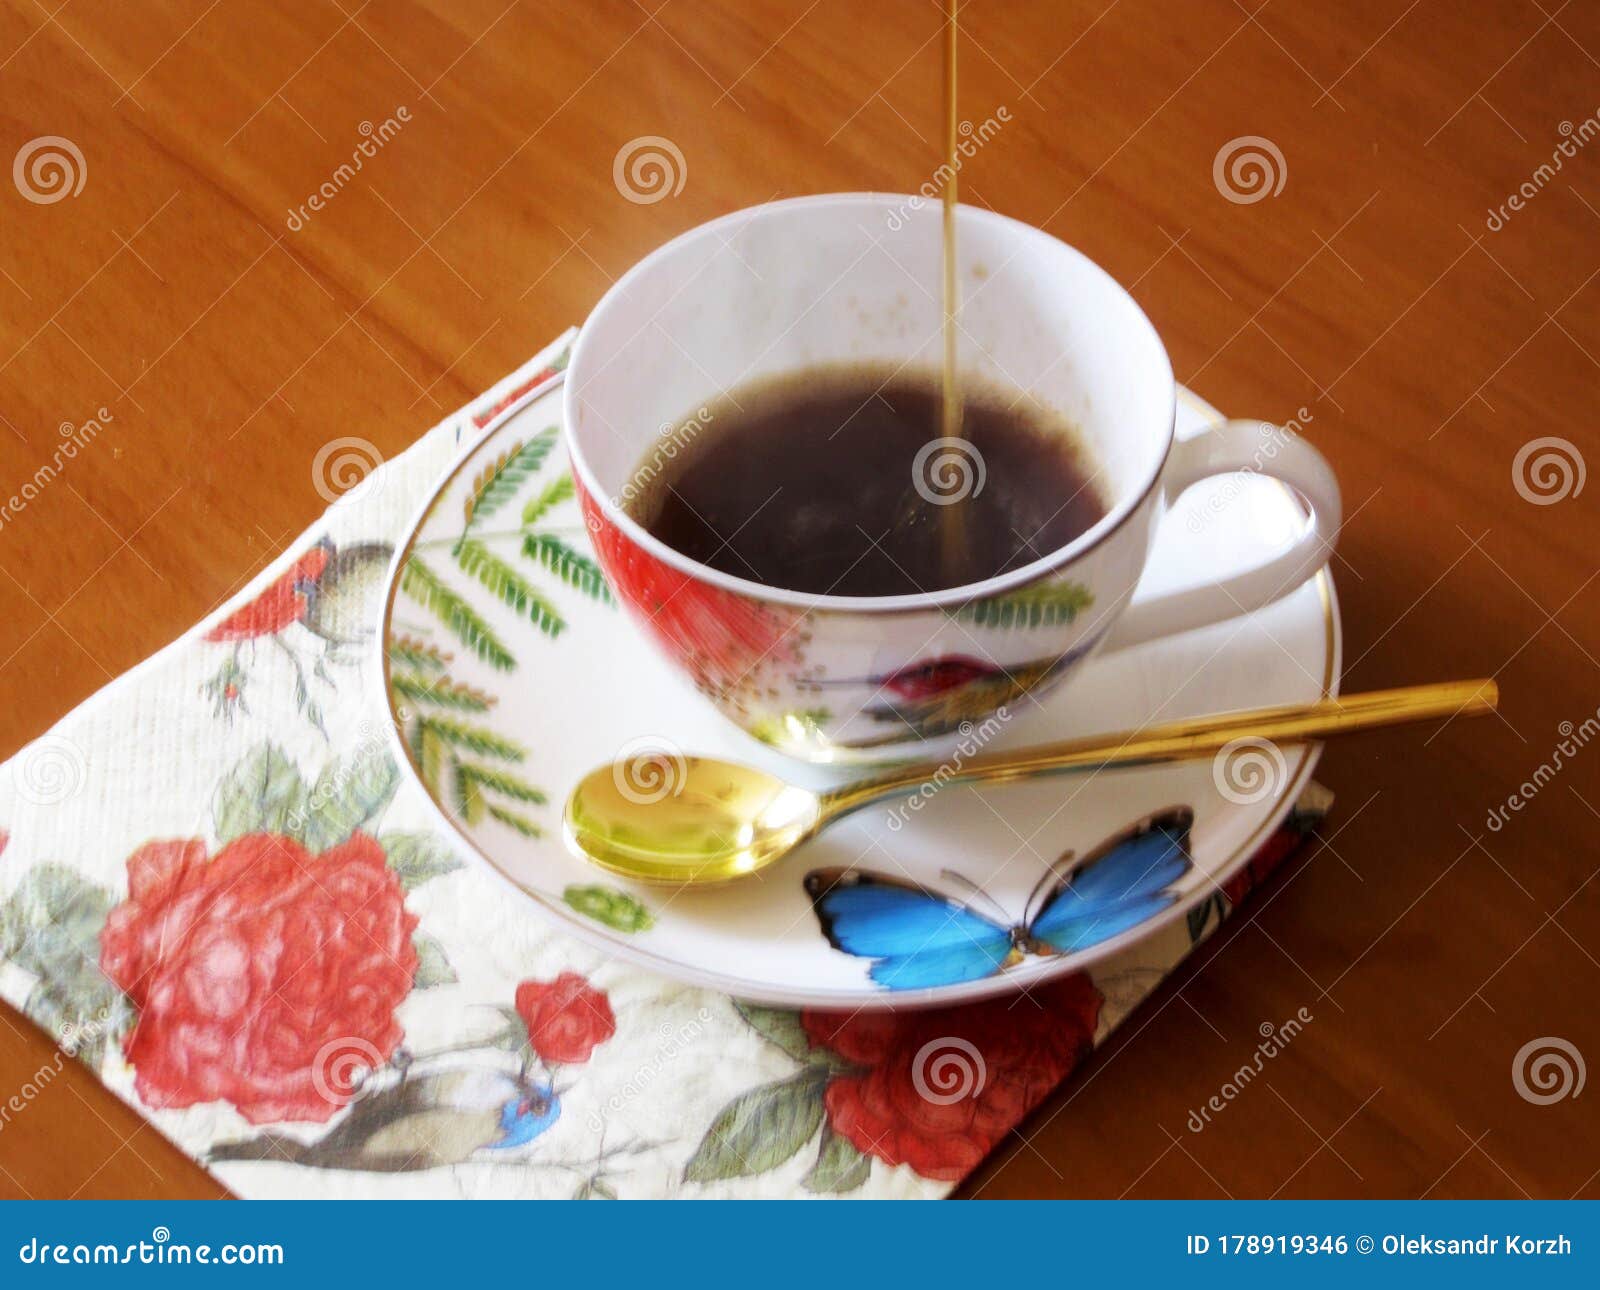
x: 1254, y: 447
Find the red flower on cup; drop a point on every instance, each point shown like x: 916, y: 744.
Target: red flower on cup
x: 566, y: 1018
x: 940, y: 1088
x: 266, y: 977
x: 720, y: 636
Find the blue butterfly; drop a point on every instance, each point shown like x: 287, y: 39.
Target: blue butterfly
x: 918, y: 938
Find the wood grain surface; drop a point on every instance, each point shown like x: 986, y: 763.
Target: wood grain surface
x: 1429, y: 337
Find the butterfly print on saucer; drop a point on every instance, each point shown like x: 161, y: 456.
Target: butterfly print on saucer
x: 917, y: 938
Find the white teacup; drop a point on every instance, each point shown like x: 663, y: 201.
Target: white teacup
x: 853, y: 278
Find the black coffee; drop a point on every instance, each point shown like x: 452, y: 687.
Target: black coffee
x: 836, y: 480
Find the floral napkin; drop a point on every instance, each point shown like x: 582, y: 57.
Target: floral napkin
x: 216, y: 896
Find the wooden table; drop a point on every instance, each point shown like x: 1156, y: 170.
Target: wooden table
x: 1429, y: 336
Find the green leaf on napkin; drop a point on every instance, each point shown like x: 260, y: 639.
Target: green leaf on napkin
x: 81, y: 1021
x: 782, y: 1027
x: 51, y: 927
x: 759, y: 1130
x: 349, y: 793
x: 777, y: 1026
x: 417, y: 857
x: 259, y: 795
x: 433, y: 967
x: 840, y: 1166
x: 513, y: 1037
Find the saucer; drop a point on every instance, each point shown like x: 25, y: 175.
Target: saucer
x: 510, y: 673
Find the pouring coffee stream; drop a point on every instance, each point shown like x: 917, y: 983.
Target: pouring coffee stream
x: 952, y: 526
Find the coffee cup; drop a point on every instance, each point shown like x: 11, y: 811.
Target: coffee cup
x: 852, y: 278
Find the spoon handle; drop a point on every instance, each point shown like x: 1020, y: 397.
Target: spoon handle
x: 1180, y: 740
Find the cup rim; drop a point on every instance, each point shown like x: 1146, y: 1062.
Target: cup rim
x: 948, y: 597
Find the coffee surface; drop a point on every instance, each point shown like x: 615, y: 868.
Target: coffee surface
x: 836, y: 480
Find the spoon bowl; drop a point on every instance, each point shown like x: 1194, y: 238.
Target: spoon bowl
x: 683, y: 820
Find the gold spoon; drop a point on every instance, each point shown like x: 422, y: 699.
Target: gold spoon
x: 698, y: 820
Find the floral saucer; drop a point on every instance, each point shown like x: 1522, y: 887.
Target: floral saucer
x: 510, y: 673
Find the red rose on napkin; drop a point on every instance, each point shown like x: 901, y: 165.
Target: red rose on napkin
x: 942, y: 1087
x: 265, y: 977
x: 566, y: 1018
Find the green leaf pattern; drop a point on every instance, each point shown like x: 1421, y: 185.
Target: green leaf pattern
x: 417, y: 857
x: 558, y: 490
x: 770, y: 1125
x: 427, y: 588
x: 433, y: 968
x: 506, y: 583
x: 760, y: 1129
x: 611, y: 906
x: 504, y: 580
x: 1046, y: 604
x: 504, y: 479
x: 50, y: 927
x: 840, y: 1166
x: 447, y: 724
x: 260, y: 795
x: 467, y: 763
